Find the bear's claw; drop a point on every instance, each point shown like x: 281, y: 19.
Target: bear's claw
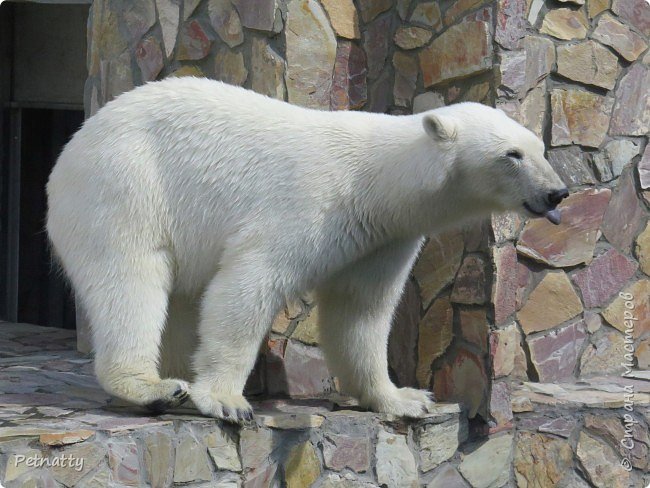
x: 246, y: 415
x: 182, y: 395
x: 170, y: 400
x: 236, y: 416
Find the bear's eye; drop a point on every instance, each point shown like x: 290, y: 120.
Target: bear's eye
x: 514, y: 154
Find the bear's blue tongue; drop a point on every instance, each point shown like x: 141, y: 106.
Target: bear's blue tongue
x: 553, y: 216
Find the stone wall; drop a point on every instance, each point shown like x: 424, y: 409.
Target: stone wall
x: 495, y: 303
x: 327, y: 55
x: 578, y: 76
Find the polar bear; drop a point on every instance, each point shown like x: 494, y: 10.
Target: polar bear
x: 190, y: 188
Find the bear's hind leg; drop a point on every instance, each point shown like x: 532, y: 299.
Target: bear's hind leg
x: 237, y: 311
x: 355, y: 312
x: 126, y: 304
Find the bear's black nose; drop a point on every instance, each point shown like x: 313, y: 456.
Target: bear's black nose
x: 556, y: 196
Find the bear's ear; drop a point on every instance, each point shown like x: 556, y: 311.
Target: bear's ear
x: 439, y: 127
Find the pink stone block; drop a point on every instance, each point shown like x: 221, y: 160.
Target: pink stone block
x: 349, y: 89
x: 625, y: 215
x: 555, y: 354
x: 505, y: 287
x: 511, y: 22
x: 636, y: 12
x: 573, y: 241
x: 604, y: 277
x: 341, y: 451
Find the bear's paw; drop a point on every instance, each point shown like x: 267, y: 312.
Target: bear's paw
x: 403, y: 402
x: 228, y: 407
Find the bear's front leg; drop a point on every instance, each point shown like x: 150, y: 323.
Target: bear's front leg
x: 237, y: 310
x: 355, y: 313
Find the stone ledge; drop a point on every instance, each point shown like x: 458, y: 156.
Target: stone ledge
x: 292, y: 442
x: 52, y: 409
x: 612, y: 392
x: 591, y: 433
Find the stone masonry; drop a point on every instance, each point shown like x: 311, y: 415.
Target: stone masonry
x: 59, y: 429
x: 494, y: 309
x: 576, y: 295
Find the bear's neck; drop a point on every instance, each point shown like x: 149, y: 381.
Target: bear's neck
x: 412, y: 185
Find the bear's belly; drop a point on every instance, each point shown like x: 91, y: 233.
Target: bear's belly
x: 300, y: 257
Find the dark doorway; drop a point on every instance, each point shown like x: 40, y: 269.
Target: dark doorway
x: 42, y: 74
x: 43, y: 297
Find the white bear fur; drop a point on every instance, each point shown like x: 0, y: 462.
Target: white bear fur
x: 196, y: 190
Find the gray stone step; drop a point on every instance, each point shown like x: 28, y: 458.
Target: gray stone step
x: 59, y: 428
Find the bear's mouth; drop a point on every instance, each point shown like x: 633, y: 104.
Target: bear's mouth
x: 552, y: 214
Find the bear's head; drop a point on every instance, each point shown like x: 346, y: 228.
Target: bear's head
x: 501, y: 162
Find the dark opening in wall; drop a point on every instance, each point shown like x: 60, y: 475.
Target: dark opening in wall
x: 42, y: 75
x: 43, y: 297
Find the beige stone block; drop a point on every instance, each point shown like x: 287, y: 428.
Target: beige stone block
x: 302, y: 467
x: 551, y: 303
x: 344, y: 17
x: 630, y: 311
x: 566, y: 24
x: 434, y: 338
x: 588, y: 62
